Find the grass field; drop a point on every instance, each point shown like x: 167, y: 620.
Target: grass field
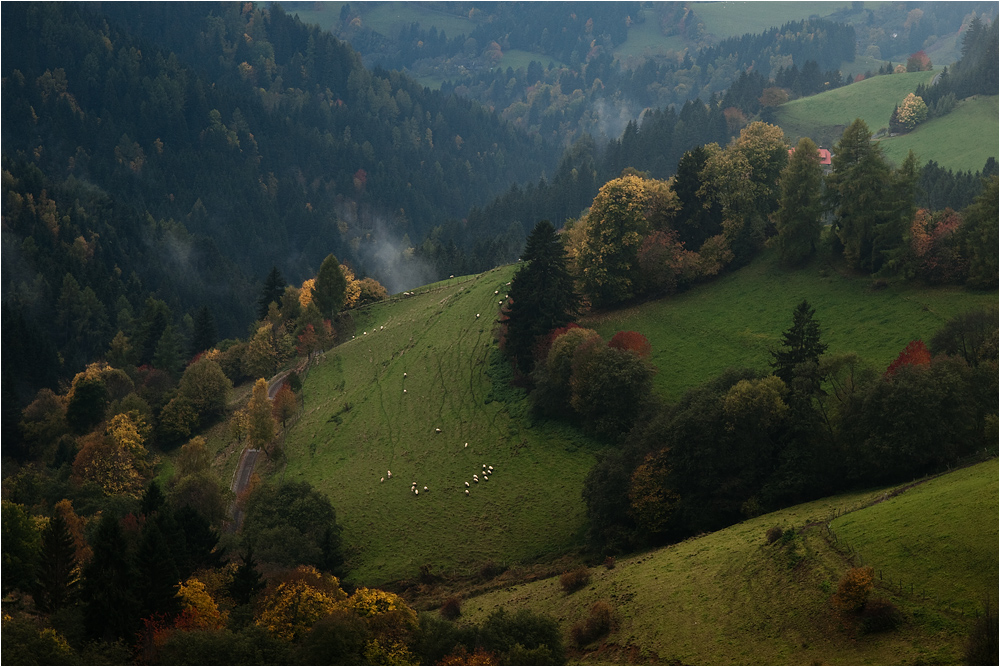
x: 737, y: 319
x: 362, y: 418
x: 941, y: 537
x: 961, y: 140
x: 823, y: 117
x: 386, y: 18
x: 732, y: 19
x: 729, y: 598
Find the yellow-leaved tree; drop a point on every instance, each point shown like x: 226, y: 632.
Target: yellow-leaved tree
x: 116, y: 459
x: 199, y: 610
x: 290, y: 609
x: 391, y: 622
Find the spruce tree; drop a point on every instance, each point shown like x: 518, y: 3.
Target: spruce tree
x: 542, y: 295
x: 110, y: 604
x: 799, y: 217
x: 330, y: 288
x: 247, y: 581
x: 274, y: 288
x: 799, y: 345
x: 56, y: 576
x: 205, y: 333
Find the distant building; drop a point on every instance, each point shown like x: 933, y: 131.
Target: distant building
x: 825, y: 157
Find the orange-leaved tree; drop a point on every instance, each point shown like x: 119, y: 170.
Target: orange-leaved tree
x: 914, y: 354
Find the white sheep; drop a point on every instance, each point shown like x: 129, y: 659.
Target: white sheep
x: 466, y: 485
x: 496, y: 291
x: 381, y: 480
x: 466, y: 444
x: 404, y: 374
x: 485, y: 478
x: 388, y: 473
x: 415, y: 492
x: 404, y: 391
x: 466, y: 492
x: 425, y: 488
x: 437, y: 430
x: 477, y: 316
x: 476, y: 480
x: 491, y: 468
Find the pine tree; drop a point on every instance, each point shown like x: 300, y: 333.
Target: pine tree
x: 110, y: 604
x: 157, y: 574
x: 857, y: 189
x: 57, y: 575
x: 169, y: 351
x: 274, y: 287
x: 205, y: 333
x: 798, y: 219
x: 541, y: 293
x: 330, y: 288
x: 799, y: 345
x: 247, y: 581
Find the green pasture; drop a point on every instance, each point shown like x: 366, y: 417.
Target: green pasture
x: 732, y: 19
x: 730, y: 598
x: 961, y: 140
x: 362, y: 418
x: 386, y: 18
x: 824, y: 117
x: 645, y: 39
x: 737, y: 319
x: 939, y: 537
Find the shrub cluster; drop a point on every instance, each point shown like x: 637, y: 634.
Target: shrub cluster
x: 880, y: 615
x: 597, y: 624
x: 774, y: 534
x: 452, y: 608
x: 574, y: 580
x: 854, y: 589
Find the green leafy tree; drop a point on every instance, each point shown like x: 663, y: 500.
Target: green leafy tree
x: 21, y: 544
x: 800, y: 344
x: 274, y: 288
x: 798, y: 219
x: 744, y: 179
x: 980, y: 238
x: 611, y: 387
x: 330, y: 289
x: 260, y: 420
x: 700, y: 216
x: 88, y: 400
x: 293, y: 523
x: 542, y: 295
x: 207, y: 388
x: 616, y: 226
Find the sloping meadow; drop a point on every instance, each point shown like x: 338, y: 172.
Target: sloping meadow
x: 406, y: 395
x: 730, y: 597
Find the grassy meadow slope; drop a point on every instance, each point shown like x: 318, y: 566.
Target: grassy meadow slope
x: 738, y: 318
x: 730, y: 598
x: 358, y: 423
x: 824, y: 117
x: 962, y: 140
x: 732, y: 19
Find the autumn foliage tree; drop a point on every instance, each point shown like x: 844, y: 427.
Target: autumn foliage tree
x: 914, y: 354
x: 292, y: 606
x: 285, y: 404
x: 632, y: 341
x: 116, y: 459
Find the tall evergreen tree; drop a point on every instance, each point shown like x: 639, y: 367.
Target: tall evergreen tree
x: 330, y: 288
x: 110, y: 604
x: 57, y: 572
x: 274, y: 288
x: 247, y: 580
x: 700, y: 216
x: 205, y: 333
x: 799, y: 345
x: 980, y: 237
x: 857, y: 189
x: 169, y: 355
x: 157, y: 574
x: 798, y: 219
x: 542, y: 295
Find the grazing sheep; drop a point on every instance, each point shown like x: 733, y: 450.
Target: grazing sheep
x: 466, y: 492
x: 381, y: 480
x: 496, y: 291
x: 466, y: 444
x: 485, y: 478
x: 466, y: 484
x: 388, y: 473
x: 404, y: 391
x: 491, y: 468
x: 477, y: 316
x: 415, y: 492
x: 437, y: 430
x: 475, y: 480
x: 404, y: 374
x: 425, y: 488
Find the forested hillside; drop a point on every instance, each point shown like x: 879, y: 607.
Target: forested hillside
x: 181, y: 151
